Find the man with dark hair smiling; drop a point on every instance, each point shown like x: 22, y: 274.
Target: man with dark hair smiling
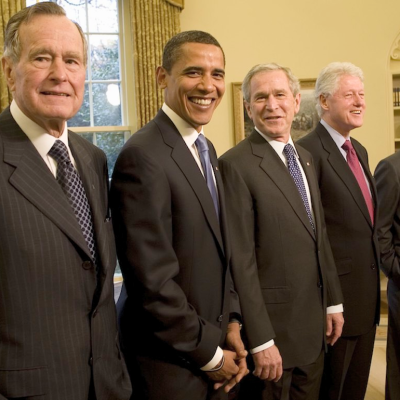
x: 169, y: 216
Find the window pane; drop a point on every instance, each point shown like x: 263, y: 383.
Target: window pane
x: 106, y: 16
x: 82, y: 118
x: 106, y: 104
x: 76, y: 11
x: 104, y: 57
x: 111, y: 143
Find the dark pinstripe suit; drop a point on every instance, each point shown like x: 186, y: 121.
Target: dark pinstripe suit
x: 56, y: 329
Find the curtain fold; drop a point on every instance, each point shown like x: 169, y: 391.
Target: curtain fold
x: 7, y: 8
x: 153, y: 23
x: 177, y: 3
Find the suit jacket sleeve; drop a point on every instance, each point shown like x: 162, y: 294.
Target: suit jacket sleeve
x: 141, y: 206
x: 239, y: 206
x: 388, y: 187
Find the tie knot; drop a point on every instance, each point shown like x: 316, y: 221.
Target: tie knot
x: 347, y: 146
x: 288, y: 151
x: 201, y: 143
x: 59, y: 152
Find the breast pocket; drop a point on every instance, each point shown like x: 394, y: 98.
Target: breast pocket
x: 24, y: 382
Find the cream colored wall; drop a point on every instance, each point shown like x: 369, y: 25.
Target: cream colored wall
x: 305, y: 36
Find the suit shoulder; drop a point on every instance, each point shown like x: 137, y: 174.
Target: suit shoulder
x: 93, y: 150
x: 311, y: 139
x: 392, y: 161
x: 237, y: 151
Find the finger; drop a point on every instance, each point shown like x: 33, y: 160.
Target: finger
x: 265, y: 372
x: 329, y: 327
x: 217, y: 385
x: 230, y: 385
x: 279, y: 373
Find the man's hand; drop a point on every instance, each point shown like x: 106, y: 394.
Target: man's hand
x: 334, y: 327
x: 226, y: 373
x: 236, y: 347
x: 268, y: 364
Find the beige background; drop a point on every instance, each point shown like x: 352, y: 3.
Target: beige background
x: 305, y: 36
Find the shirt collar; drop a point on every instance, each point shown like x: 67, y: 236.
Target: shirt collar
x: 42, y: 140
x: 336, y: 136
x: 277, y: 145
x: 188, y: 133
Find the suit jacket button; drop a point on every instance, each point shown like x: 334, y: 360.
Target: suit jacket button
x: 87, y: 265
x: 220, y: 318
x: 94, y: 313
x: 319, y: 284
x: 372, y: 266
x: 91, y: 361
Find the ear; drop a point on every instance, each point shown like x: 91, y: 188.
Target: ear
x: 297, y: 101
x: 161, y: 74
x: 248, y: 109
x: 323, y: 102
x: 8, y: 70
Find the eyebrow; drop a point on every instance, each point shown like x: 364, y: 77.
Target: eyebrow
x: 43, y: 50
x: 200, y: 69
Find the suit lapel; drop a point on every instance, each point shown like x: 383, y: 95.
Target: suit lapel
x: 279, y: 174
x: 307, y: 164
x: 93, y: 186
x: 33, y: 179
x: 184, y: 159
x: 340, y: 166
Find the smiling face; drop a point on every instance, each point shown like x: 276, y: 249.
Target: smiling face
x: 272, y: 105
x: 196, y: 83
x: 344, y: 110
x: 48, y: 80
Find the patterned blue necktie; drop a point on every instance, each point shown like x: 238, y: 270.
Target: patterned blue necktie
x: 71, y: 184
x: 295, y: 172
x: 202, y: 147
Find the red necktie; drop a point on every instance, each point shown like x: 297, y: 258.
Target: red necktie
x: 354, y: 164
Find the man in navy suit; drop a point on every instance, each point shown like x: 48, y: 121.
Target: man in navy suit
x: 169, y: 217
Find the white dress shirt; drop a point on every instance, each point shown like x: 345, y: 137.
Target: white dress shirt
x: 42, y: 140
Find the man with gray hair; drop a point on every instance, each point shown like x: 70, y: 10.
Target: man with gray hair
x: 348, y: 196
x: 282, y: 264
x: 58, y: 333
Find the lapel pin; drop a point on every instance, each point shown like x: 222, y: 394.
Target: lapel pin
x: 216, y: 168
x: 308, y: 163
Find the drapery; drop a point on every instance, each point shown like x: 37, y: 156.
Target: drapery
x: 153, y: 23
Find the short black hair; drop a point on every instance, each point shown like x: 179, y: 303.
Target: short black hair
x: 172, y: 50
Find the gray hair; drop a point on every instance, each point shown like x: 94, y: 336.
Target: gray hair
x: 294, y: 83
x: 328, y: 80
x: 12, y: 42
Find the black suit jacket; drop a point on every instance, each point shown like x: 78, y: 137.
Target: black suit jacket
x: 387, y: 181
x: 173, y: 251
x: 277, y: 259
x: 56, y: 328
x: 351, y: 234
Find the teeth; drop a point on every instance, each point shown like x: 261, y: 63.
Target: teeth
x: 202, y: 102
x: 356, y: 112
x: 56, y: 94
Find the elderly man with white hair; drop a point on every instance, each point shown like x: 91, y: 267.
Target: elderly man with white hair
x: 349, y: 200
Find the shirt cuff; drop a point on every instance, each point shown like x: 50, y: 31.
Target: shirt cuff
x: 262, y: 347
x: 334, y: 309
x: 215, y: 360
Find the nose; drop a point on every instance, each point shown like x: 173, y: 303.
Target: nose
x: 206, y: 83
x: 58, y: 70
x: 270, y: 102
x: 358, y: 99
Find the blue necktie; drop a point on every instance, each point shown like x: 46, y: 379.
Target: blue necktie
x: 295, y: 172
x: 202, y: 147
x: 71, y: 184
